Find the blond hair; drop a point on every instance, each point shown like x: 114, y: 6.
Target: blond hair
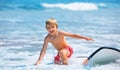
x: 51, y: 21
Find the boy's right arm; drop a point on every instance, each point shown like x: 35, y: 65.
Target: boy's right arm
x: 43, y: 51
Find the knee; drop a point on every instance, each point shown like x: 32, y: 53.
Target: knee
x: 62, y: 51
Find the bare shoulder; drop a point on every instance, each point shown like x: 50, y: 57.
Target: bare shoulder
x: 64, y: 33
x: 47, y: 38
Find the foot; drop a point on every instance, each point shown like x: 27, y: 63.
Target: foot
x: 57, y: 62
x: 65, y: 62
x: 85, y: 62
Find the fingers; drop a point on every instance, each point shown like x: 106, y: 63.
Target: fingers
x: 37, y: 63
x: 89, y: 39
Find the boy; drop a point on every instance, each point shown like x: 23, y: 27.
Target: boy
x: 56, y: 38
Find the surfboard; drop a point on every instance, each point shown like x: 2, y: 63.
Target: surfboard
x: 104, y: 55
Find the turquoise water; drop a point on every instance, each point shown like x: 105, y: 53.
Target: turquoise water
x: 22, y: 32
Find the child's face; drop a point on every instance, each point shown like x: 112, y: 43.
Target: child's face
x: 51, y: 29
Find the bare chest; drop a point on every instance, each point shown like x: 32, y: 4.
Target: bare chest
x: 56, y: 40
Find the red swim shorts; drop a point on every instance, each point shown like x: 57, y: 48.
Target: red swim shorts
x: 57, y: 57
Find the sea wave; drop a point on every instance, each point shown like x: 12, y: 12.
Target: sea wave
x: 75, y: 6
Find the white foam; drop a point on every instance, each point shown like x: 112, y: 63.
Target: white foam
x: 102, y: 5
x: 2, y: 43
x: 111, y: 66
x: 13, y: 20
x: 75, y: 6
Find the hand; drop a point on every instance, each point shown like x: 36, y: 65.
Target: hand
x: 37, y: 63
x: 89, y: 39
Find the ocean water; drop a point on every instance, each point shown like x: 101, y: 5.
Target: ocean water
x: 22, y: 31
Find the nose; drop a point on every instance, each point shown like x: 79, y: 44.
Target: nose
x: 50, y: 29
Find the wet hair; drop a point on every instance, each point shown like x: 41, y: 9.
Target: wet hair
x: 51, y: 21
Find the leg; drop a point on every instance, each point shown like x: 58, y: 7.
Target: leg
x: 64, y: 55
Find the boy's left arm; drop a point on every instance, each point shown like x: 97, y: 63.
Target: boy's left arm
x: 88, y: 39
x: 77, y: 36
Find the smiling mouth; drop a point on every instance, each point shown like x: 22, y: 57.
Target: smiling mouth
x: 51, y: 31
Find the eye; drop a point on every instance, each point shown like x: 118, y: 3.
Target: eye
x: 48, y: 27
